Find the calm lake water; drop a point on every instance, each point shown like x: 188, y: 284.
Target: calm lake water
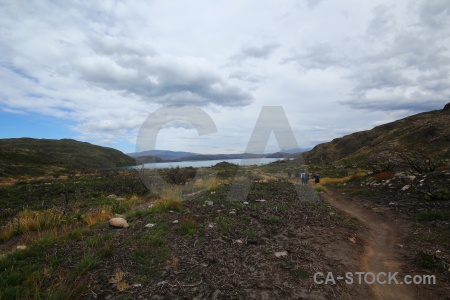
x: 208, y: 163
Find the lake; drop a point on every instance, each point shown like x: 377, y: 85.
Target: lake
x: 209, y: 163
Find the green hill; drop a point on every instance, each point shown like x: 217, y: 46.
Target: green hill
x: 34, y: 157
x: 428, y: 132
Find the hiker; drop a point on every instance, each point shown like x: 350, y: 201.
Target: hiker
x: 303, y: 176
x: 306, y: 177
x: 289, y: 173
x: 316, y: 177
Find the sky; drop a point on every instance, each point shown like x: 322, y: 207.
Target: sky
x: 94, y: 71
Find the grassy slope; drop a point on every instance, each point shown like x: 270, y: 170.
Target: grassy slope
x: 26, y: 156
x: 429, y: 131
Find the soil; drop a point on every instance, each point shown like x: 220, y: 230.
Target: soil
x: 389, y: 247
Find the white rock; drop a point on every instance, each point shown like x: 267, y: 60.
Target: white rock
x: 406, y: 187
x: 21, y: 247
x: 438, y: 251
x: 260, y: 200
x: 175, y: 222
x: 112, y: 196
x: 210, y: 203
x: 232, y: 212
x: 150, y: 225
x: 118, y: 222
x: 245, y: 203
x: 280, y: 254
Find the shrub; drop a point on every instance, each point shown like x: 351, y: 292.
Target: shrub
x: 179, y: 175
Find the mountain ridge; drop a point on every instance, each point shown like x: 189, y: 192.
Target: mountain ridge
x: 428, y: 132
x: 29, y: 156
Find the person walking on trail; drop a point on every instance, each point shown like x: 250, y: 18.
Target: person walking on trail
x: 303, y: 176
x: 316, y: 177
x: 289, y: 173
x: 306, y: 177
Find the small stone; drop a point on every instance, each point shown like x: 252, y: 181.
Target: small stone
x: 118, y: 222
x: 210, y: 203
x: 112, y: 196
x: 280, y: 253
x: 406, y: 187
x: 210, y: 226
x: 175, y: 222
x: 391, y: 203
x: 438, y: 251
x: 400, y: 245
x: 260, y: 200
x: 171, y: 211
x: 239, y: 241
x: 137, y: 285
x: 21, y: 247
x: 352, y: 239
x: 245, y: 203
x: 150, y: 225
x: 232, y: 212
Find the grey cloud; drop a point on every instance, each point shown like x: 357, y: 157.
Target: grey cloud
x: 413, y: 104
x: 319, y: 56
x: 313, y: 3
x: 382, y: 21
x: 409, y: 71
x: 258, y: 52
x: 156, y: 78
x: 435, y: 14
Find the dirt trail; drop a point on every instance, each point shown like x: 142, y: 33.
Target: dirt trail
x: 380, y: 253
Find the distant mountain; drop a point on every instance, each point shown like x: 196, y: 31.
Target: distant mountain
x: 27, y: 156
x: 162, y: 154
x: 428, y: 132
x: 295, y: 150
x: 151, y: 156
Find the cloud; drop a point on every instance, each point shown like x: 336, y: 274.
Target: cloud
x: 162, y: 79
x: 263, y: 51
x: 320, y: 55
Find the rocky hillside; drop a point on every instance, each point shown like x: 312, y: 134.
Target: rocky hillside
x: 428, y: 132
x: 27, y: 156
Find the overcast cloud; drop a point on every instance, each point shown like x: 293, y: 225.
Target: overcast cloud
x: 335, y: 66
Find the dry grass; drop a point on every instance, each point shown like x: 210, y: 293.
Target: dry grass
x: 31, y: 221
x: 209, y: 183
x: 102, y: 214
x: 166, y: 205
x: 172, y: 193
x: 119, y: 280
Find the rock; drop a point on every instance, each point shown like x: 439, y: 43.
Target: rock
x: 21, y: 247
x: 438, y: 251
x: 232, y: 212
x: 245, y: 203
x: 352, y: 239
x: 280, y: 253
x: 400, y: 245
x: 175, y: 221
x: 118, y: 222
x: 260, y: 200
x: 239, y: 241
x: 391, y: 203
x: 112, y: 196
x: 149, y: 225
x: 210, y: 226
x: 210, y: 203
x: 406, y: 187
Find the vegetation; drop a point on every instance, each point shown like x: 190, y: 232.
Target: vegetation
x: 40, y: 157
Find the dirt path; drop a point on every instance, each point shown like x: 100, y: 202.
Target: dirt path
x: 381, y: 248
